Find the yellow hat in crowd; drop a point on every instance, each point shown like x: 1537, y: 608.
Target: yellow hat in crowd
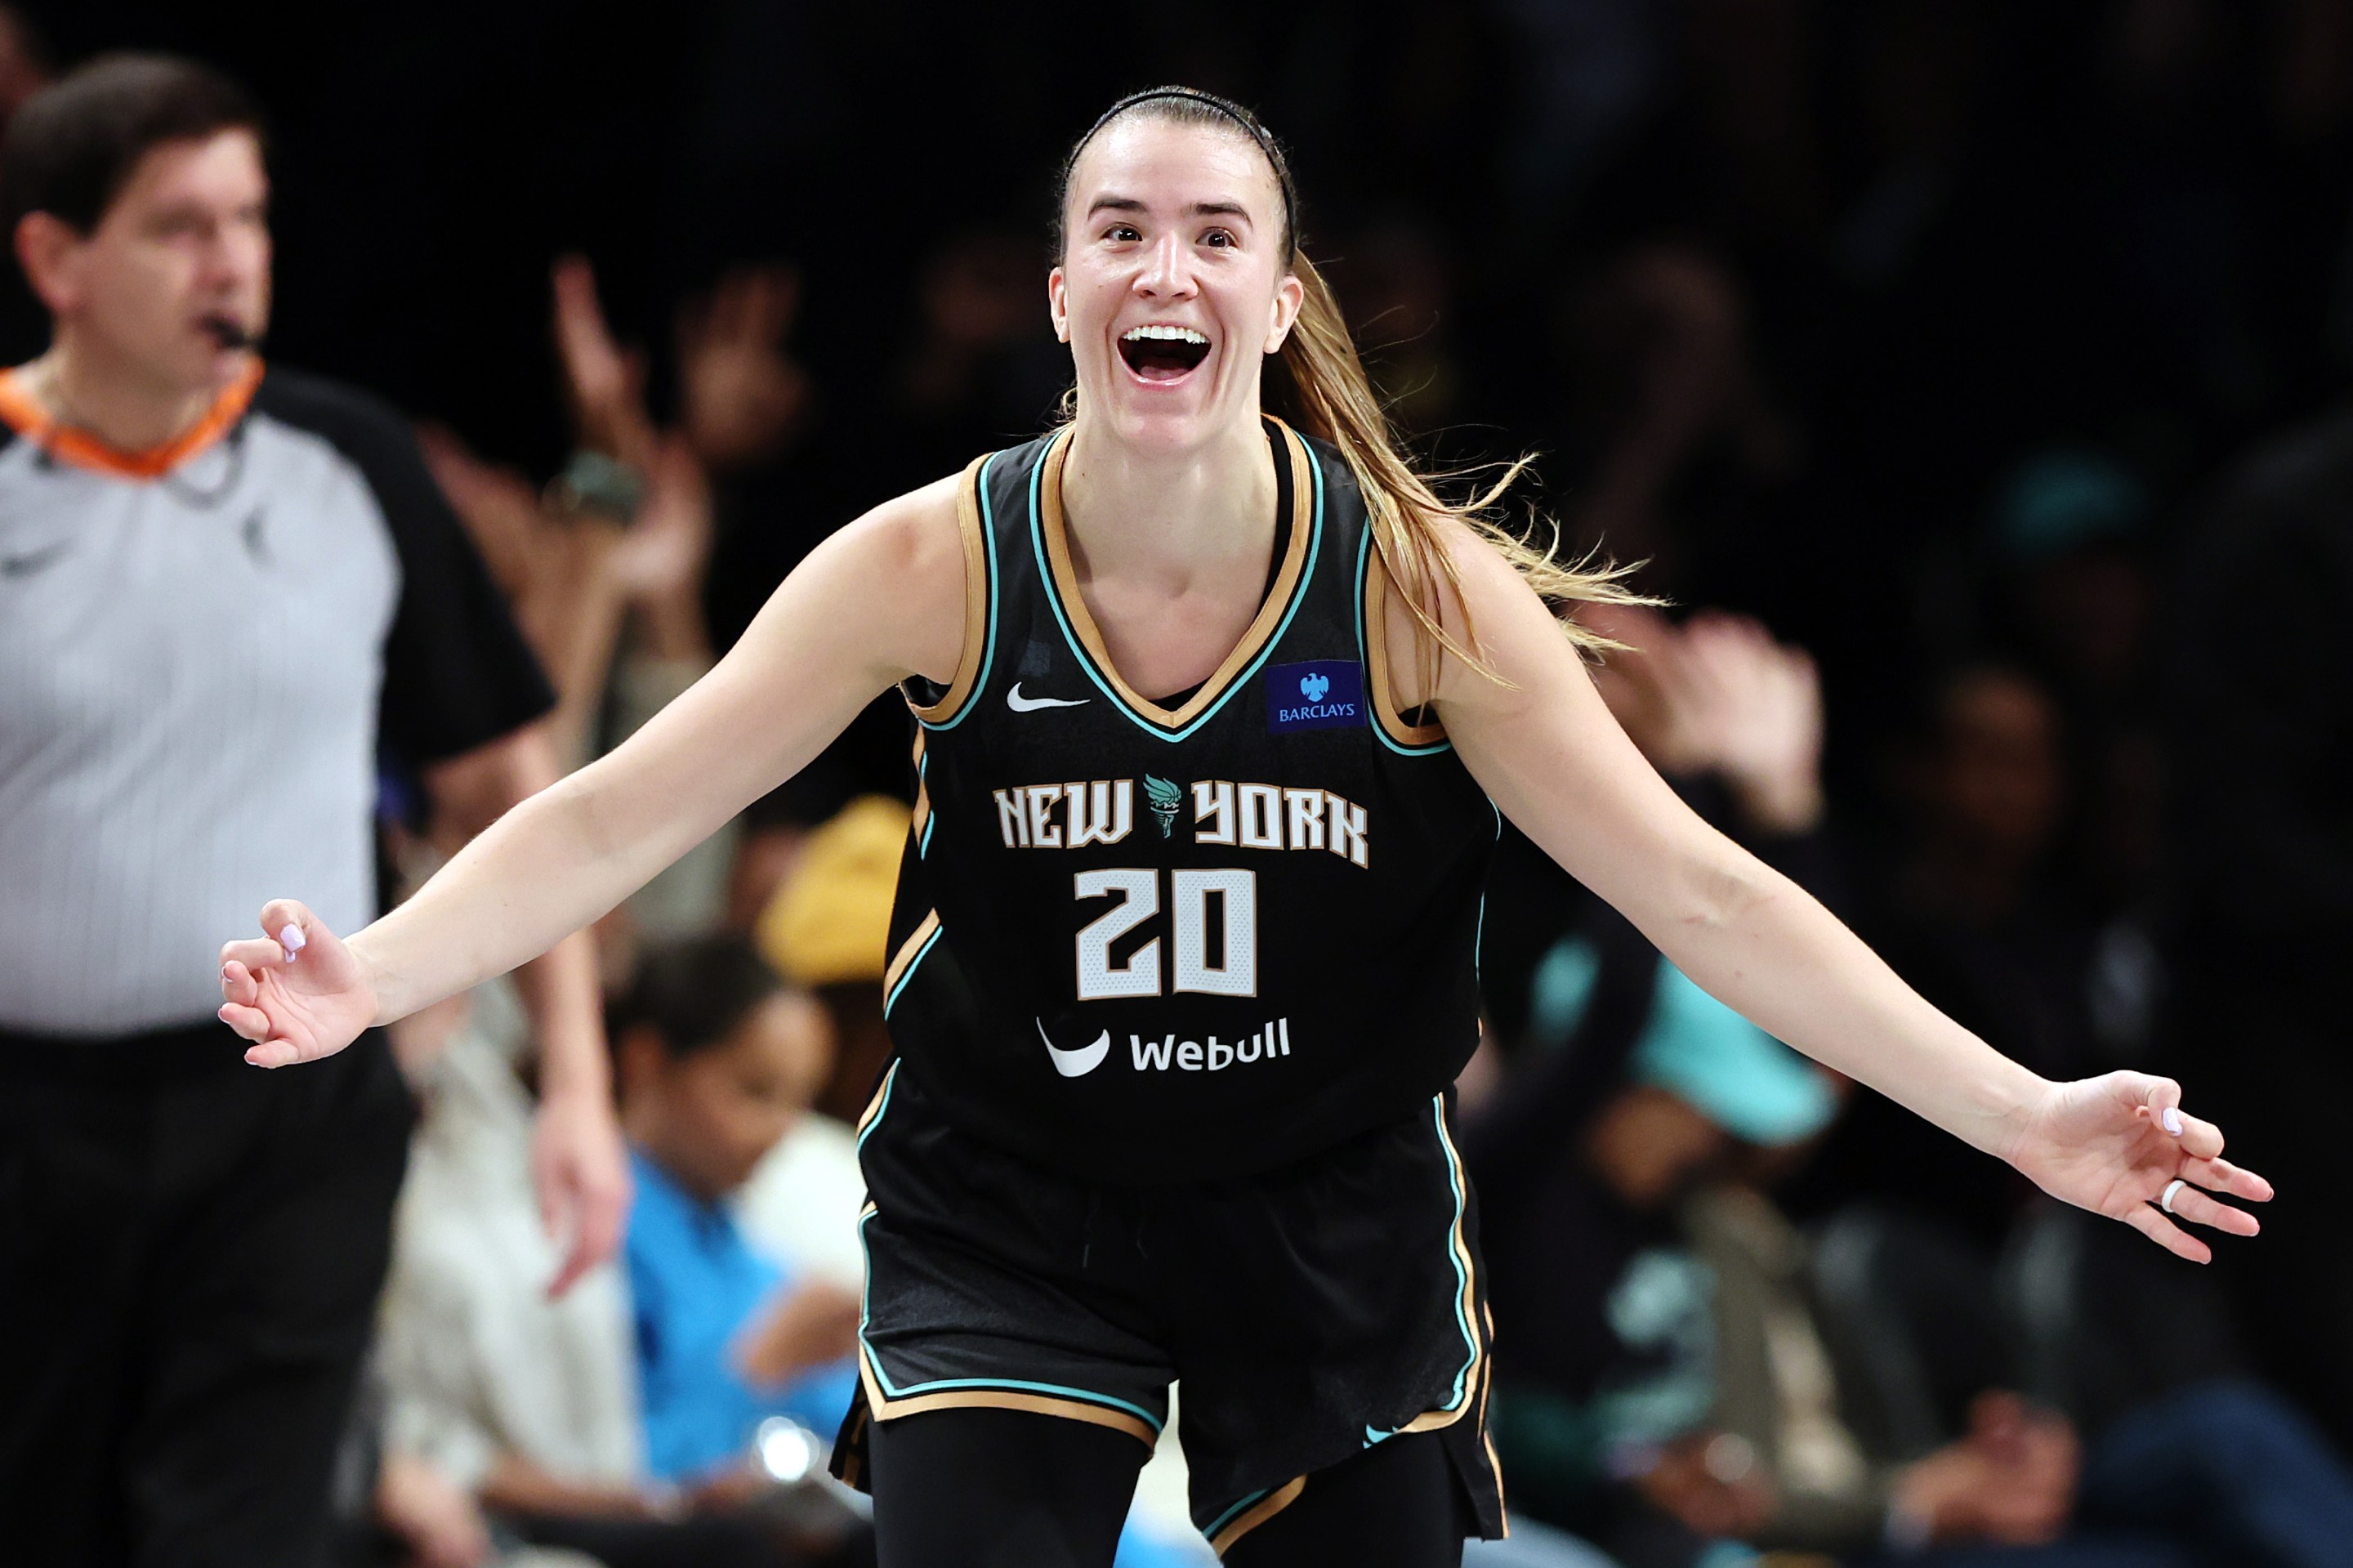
x: 830, y: 919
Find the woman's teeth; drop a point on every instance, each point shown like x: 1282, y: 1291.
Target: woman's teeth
x: 1164, y: 335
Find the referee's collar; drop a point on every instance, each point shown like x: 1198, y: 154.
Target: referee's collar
x: 24, y: 415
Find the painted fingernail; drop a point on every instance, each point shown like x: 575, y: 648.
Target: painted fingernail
x: 2172, y: 1120
x: 292, y: 939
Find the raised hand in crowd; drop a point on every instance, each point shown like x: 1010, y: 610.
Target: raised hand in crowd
x: 740, y: 393
x: 1719, y: 695
x: 604, y: 383
x: 557, y: 571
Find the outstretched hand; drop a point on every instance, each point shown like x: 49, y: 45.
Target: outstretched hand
x: 2115, y: 1144
x: 297, y: 992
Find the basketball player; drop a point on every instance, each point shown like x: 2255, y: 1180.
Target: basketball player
x: 1217, y: 719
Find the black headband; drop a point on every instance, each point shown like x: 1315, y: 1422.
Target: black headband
x: 1231, y: 110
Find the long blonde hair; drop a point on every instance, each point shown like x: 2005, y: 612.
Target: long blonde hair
x: 1335, y: 400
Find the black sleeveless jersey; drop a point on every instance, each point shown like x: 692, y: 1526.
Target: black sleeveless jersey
x: 1149, y: 943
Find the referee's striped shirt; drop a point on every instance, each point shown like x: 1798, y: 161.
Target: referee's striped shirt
x: 201, y: 649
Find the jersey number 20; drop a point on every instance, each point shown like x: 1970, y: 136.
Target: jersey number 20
x: 1234, y: 971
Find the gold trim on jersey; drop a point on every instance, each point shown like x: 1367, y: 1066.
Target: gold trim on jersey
x: 923, y: 813
x: 975, y: 600
x: 1265, y: 1508
x: 910, y: 950
x: 1287, y: 585
x: 885, y: 1409
x: 873, y: 1106
x: 1376, y: 661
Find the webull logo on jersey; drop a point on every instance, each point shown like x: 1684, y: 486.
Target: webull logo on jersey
x: 1212, y: 1054
x: 1328, y: 693
x: 1168, y: 1054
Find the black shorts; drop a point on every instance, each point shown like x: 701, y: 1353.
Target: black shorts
x: 1309, y: 1312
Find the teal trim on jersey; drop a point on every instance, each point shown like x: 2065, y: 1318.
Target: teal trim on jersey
x: 1479, y: 930
x: 1462, y: 1278
x: 1242, y: 677
x: 988, y: 649
x: 1227, y: 1517
x: 923, y: 777
x: 1364, y: 560
x: 912, y: 965
x: 883, y: 1109
x: 944, y: 1385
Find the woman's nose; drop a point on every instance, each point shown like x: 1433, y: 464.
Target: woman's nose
x: 1167, y: 271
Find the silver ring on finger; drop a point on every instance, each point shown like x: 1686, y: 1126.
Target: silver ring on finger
x: 2165, y: 1198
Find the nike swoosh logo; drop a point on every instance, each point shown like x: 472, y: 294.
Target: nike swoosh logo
x: 1021, y: 704
x: 1081, y: 1062
x: 25, y: 566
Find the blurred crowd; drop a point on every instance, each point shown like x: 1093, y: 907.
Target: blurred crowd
x: 1965, y: 378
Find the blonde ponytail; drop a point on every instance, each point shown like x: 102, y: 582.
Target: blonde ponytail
x: 1336, y: 401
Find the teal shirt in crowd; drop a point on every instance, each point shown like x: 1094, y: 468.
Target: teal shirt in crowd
x: 696, y: 1284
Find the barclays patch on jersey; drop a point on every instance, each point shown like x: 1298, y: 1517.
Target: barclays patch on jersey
x: 1328, y: 693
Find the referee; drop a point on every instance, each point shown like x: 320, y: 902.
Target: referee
x: 193, y: 547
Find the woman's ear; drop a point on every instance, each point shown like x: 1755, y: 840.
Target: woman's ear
x: 1057, y: 308
x: 1289, y: 295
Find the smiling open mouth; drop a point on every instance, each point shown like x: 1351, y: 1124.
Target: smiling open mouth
x: 1163, y: 352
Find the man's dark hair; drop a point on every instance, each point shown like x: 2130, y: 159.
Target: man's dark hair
x: 692, y: 994
x: 72, y: 147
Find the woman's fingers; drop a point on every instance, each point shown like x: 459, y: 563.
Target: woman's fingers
x: 291, y: 924
x: 255, y: 953
x: 2199, y: 1208
x: 2162, y: 1104
x: 2151, y: 1223
x: 2221, y: 1176
x: 249, y: 1023
x: 278, y: 1052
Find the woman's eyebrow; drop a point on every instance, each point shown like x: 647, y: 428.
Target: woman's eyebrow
x: 1198, y: 209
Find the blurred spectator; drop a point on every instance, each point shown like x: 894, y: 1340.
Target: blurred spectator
x: 605, y: 570
x: 518, y: 1410
x: 718, y: 1059
x: 2070, y: 535
x: 1979, y: 918
x: 1685, y: 446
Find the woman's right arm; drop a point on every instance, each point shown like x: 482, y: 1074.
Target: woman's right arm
x: 879, y: 601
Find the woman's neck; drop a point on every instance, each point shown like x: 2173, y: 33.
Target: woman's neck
x: 82, y: 388
x: 1168, y: 519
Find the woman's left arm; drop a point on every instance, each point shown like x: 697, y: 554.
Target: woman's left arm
x: 1549, y: 754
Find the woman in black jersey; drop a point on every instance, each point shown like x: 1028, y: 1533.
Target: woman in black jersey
x: 1218, y: 717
